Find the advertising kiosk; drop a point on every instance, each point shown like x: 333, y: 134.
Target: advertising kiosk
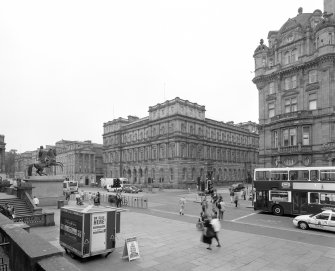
x: 89, y: 230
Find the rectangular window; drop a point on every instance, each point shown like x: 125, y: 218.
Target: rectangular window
x: 279, y: 176
x: 305, y: 135
x: 294, y: 81
x: 299, y: 175
x: 262, y: 175
x: 287, y: 83
x: 327, y: 175
x: 285, y: 138
x: 312, y: 102
x: 314, y: 175
x: 293, y: 137
x: 314, y: 197
x: 275, y: 139
x: 327, y: 198
x: 271, y: 109
x: 279, y: 196
x: 272, y: 88
x: 291, y: 105
x: 312, y: 76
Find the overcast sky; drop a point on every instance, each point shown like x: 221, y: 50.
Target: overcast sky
x: 66, y: 67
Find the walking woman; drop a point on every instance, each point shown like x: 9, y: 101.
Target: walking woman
x: 208, y: 233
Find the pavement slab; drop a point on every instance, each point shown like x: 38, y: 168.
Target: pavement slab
x: 167, y: 244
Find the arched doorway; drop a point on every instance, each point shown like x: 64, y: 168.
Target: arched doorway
x: 129, y: 174
x: 161, y: 175
x: 140, y: 175
x: 134, y: 175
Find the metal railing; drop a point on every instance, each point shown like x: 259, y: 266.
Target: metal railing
x: 127, y: 200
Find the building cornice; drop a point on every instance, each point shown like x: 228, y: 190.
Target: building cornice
x: 294, y: 68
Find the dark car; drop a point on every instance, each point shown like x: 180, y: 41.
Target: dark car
x: 129, y: 189
x: 237, y: 187
x: 138, y: 188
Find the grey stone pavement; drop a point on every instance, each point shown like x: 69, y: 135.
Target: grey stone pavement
x: 166, y: 244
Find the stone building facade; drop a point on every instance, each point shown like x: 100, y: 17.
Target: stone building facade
x: 2, y: 153
x: 295, y: 76
x: 176, y: 144
x: 22, y: 160
x: 82, y: 161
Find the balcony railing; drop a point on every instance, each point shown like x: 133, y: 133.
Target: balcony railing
x: 292, y: 149
x: 303, y: 114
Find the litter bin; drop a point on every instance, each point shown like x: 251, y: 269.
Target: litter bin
x: 60, y: 204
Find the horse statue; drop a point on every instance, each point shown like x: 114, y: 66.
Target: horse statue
x: 46, y: 159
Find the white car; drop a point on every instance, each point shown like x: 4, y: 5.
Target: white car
x: 322, y: 221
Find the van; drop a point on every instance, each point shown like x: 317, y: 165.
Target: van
x: 115, y: 184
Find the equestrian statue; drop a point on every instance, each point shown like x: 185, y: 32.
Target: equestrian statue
x: 46, y: 159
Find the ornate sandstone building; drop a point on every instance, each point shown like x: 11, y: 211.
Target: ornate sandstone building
x: 176, y: 145
x: 295, y: 75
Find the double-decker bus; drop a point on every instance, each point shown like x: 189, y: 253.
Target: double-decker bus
x: 294, y: 190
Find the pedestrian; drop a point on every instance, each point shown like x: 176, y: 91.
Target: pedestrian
x: 118, y: 199
x: 182, y: 203
x: 221, y: 207
x: 89, y: 198
x: 204, y: 205
x: 82, y: 195
x: 67, y: 196
x: 231, y: 194
x: 244, y: 193
x: 78, y: 198
x: 36, y: 201
x: 98, y: 198
x: 208, y: 232
x: 10, y: 210
x: 216, y: 226
x: 236, y: 199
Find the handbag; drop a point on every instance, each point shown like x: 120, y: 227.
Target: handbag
x: 209, y: 232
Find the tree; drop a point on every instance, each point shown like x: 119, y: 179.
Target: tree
x: 10, y: 163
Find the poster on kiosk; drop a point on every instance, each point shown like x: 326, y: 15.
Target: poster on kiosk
x: 98, y: 231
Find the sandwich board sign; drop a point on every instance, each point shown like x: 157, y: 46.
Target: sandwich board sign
x: 131, y: 250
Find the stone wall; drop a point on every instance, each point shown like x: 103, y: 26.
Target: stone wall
x: 28, y: 252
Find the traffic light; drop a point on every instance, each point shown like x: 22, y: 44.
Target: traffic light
x: 210, y: 187
x: 117, y: 183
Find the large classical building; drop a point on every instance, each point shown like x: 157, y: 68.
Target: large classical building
x: 176, y: 144
x: 2, y: 153
x: 295, y: 76
x: 82, y: 161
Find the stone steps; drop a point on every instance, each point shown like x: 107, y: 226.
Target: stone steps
x: 20, y: 206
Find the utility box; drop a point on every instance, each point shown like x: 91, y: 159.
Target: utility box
x: 89, y: 230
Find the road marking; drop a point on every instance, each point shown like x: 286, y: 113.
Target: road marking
x: 234, y: 220
x: 285, y: 229
x: 172, y: 213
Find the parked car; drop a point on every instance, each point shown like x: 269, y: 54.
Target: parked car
x: 237, y: 187
x: 129, y: 189
x: 139, y: 188
x: 136, y: 189
x: 322, y: 221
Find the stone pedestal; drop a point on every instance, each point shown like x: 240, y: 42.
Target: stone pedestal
x: 48, y: 189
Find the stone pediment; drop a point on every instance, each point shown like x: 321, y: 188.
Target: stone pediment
x: 312, y: 86
x: 290, y: 93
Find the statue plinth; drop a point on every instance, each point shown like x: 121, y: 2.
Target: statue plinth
x: 48, y: 189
